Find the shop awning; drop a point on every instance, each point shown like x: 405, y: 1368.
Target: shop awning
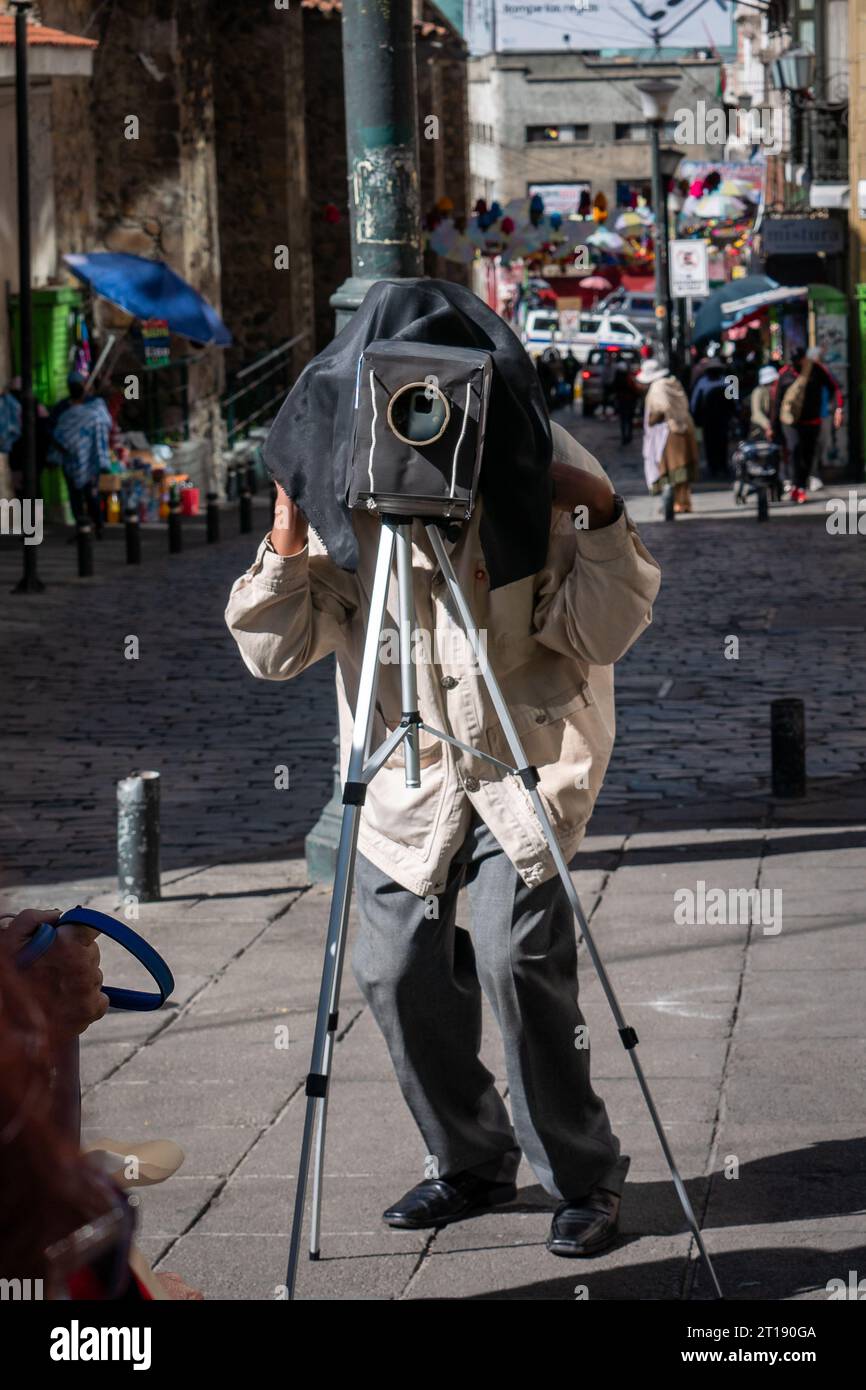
x: 734, y: 309
x: 151, y: 289
x: 710, y: 318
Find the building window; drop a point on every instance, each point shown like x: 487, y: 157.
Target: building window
x: 638, y: 130
x: 803, y: 23
x: 556, y: 134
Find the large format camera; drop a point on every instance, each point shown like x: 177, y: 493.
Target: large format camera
x: 420, y: 412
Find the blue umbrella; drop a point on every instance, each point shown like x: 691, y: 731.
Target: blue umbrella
x: 710, y: 321
x: 151, y: 290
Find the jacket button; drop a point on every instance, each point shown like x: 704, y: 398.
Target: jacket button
x: 480, y: 574
x: 471, y: 784
x: 449, y: 682
x: 541, y: 717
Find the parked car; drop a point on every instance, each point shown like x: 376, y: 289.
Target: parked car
x: 640, y: 309
x: 541, y: 330
x: 592, y: 387
x: 581, y: 333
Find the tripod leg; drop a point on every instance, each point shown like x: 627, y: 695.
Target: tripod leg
x: 529, y: 777
x: 321, y: 1126
x: 408, y: 683
x: 335, y: 947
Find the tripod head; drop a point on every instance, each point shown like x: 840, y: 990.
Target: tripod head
x: 447, y: 525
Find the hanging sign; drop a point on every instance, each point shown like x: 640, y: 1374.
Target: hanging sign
x: 153, y: 341
x: 689, y: 269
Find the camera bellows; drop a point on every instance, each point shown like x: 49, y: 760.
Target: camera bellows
x: 420, y: 412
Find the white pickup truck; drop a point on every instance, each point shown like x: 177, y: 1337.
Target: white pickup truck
x: 543, y: 329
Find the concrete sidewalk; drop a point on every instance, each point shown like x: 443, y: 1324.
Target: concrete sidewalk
x: 752, y: 1037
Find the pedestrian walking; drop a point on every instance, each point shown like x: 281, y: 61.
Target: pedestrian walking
x: 626, y: 394
x: 712, y: 406
x: 760, y: 405
x: 607, y: 374
x: 797, y: 412
x: 80, y: 446
x: 571, y: 367
x: 670, y: 447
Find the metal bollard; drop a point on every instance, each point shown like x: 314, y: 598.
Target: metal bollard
x: 213, y: 518
x: 788, y: 747
x: 133, y: 536
x: 246, y: 510
x: 138, y: 836
x: 252, y: 480
x: 175, y: 521
x: 231, y: 482
x: 84, y: 545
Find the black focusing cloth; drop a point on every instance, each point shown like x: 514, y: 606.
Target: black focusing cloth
x: 309, y: 447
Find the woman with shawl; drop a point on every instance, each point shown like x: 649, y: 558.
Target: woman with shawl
x: 670, y: 446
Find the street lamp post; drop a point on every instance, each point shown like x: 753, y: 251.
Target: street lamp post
x: 381, y: 148
x: 384, y: 206
x: 793, y: 73
x: 29, y: 583
x: 655, y: 96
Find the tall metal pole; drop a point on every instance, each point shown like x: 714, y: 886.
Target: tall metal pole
x: 381, y: 147
x: 30, y: 583
x: 662, y: 279
x: 385, y: 210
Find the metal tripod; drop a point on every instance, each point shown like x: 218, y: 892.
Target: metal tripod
x: 397, y: 534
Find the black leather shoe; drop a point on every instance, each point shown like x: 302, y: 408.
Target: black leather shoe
x: 586, y: 1226
x: 437, y: 1201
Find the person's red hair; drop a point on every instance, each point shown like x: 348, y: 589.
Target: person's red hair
x: 47, y: 1188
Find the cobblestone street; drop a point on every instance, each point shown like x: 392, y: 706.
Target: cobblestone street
x: 752, y: 1038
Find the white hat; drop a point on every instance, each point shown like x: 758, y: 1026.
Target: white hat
x: 767, y: 375
x: 651, y: 370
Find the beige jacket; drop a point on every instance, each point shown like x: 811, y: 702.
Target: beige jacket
x: 551, y: 639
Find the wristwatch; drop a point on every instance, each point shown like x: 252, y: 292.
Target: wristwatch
x: 618, y: 509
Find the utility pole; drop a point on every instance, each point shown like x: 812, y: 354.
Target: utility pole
x: 29, y: 583
x: 385, y: 211
x: 662, y: 278
x: 655, y: 95
x: 381, y: 148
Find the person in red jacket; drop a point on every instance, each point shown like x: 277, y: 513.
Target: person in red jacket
x: 801, y: 439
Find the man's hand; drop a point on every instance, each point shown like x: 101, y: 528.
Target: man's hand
x: 838, y: 416
x: 289, y: 533
x: 575, y: 487
x: 67, y: 980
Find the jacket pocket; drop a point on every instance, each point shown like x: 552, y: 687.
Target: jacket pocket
x: 539, y: 724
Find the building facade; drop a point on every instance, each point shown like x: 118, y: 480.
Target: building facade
x: 212, y: 136
x: 561, y: 119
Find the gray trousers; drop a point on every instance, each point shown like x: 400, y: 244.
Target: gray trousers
x: 422, y: 978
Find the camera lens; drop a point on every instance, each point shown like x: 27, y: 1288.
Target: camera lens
x: 418, y: 413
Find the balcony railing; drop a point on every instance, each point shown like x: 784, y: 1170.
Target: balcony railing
x: 828, y: 143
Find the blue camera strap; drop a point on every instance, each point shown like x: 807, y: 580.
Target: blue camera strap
x: 140, y: 1000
